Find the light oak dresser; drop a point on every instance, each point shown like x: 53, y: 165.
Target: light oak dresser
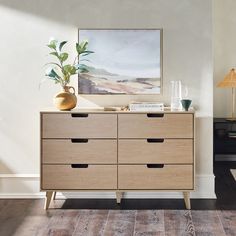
x: 85, y: 150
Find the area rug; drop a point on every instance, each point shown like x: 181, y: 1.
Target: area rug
x: 233, y: 172
x: 26, y: 217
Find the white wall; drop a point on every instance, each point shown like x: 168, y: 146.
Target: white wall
x: 26, y: 27
x: 224, y: 52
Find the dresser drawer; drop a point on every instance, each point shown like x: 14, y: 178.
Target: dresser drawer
x: 155, y: 125
x: 79, y: 125
x: 89, y: 151
x: 169, y: 177
x: 166, y: 151
x: 64, y: 177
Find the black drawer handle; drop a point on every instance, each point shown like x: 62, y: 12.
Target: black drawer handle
x: 155, y: 165
x: 79, y: 140
x: 155, y: 140
x: 79, y: 166
x: 155, y: 115
x: 79, y: 115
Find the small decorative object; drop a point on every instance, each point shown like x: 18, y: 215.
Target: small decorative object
x: 112, y: 109
x: 146, y: 106
x: 65, y: 100
x: 125, y: 108
x: 61, y: 72
x: 178, y: 91
x: 230, y: 82
x: 176, y: 95
x: 186, y: 103
x: 129, y: 61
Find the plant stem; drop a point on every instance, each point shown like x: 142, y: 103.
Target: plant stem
x: 77, y: 57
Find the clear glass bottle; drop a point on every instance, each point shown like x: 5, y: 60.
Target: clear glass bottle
x: 176, y: 95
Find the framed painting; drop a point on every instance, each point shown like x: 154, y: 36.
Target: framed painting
x: 125, y: 61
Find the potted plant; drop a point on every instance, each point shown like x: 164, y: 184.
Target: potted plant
x: 60, y: 72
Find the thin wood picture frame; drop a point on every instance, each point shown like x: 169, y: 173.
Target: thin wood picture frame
x: 92, y: 84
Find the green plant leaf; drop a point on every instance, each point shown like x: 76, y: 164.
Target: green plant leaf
x: 63, y: 56
x: 84, y: 60
x: 53, y: 44
x: 85, y: 53
x: 82, y: 68
x: 77, y: 48
x: 82, y: 46
x: 50, y: 72
x: 69, y: 69
x: 73, y: 70
x: 81, y: 65
x: 53, y: 63
x: 54, y: 54
x: 66, y: 68
x: 60, y: 45
x: 54, y: 79
x: 61, y: 73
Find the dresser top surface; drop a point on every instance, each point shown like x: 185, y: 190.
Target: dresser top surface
x: 101, y: 110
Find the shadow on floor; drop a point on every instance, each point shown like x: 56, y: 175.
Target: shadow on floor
x: 139, y: 204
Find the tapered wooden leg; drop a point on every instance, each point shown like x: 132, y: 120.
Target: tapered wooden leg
x: 187, y: 200
x: 54, y: 195
x: 118, y: 197
x: 48, y: 199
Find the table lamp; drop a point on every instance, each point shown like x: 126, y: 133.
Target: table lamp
x: 230, y: 82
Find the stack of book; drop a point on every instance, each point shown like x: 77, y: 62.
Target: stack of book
x: 146, y: 106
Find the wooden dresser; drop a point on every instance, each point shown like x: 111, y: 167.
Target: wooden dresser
x: 120, y: 151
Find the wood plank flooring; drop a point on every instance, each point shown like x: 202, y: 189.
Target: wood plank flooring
x: 146, y: 217
x: 27, y: 218
x: 225, y: 185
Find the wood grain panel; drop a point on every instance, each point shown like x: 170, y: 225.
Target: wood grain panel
x: 65, y: 177
x: 168, y: 126
x: 95, y: 151
x: 168, y: 177
x: 139, y: 151
x: 66, y: 126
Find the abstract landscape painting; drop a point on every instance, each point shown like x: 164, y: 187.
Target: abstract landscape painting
x: 124, y: 61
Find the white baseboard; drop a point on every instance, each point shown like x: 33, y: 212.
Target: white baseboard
x: 27, y: 186
x: 7, y: 176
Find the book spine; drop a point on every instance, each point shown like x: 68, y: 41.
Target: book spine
x: 145, y: 107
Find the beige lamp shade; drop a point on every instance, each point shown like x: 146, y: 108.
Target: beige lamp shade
x: 229, y: 81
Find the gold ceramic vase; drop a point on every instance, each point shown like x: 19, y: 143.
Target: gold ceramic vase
x: 65, y: 100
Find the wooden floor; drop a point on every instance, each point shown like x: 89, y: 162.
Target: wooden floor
x: 146, y: 217
x: 27, y: 217
x: 225, y: 185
